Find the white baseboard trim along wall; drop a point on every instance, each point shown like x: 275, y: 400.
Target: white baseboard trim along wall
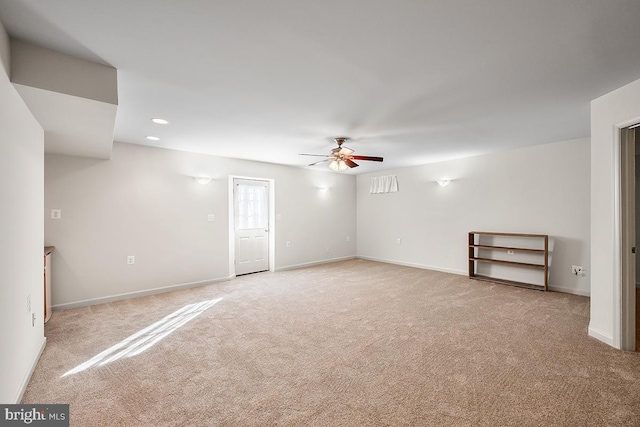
x: 555, y: 288
x: 601, y: 336
x: 410, y: 264
x: 311, y: 264
x: 136, y: 294
x: 27, y: 378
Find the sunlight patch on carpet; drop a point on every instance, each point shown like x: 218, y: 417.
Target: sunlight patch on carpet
x: 147, y: 337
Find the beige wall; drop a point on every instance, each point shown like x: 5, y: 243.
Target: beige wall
x: 21, y: 237
x: 542, y: 189
x: 145, y: 202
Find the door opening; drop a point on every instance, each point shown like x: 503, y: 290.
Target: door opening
x: 629, y: 227
x: 636, y: 137
x: 251, y: 207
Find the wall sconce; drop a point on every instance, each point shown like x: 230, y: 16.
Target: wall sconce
x: 443, y: 182
x: 202, y: 180
x: 323, y: 189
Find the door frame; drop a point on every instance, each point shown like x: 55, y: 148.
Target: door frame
x: 627, y: 222
x: 232, y: 226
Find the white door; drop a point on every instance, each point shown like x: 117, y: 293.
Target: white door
x: 251, y: 225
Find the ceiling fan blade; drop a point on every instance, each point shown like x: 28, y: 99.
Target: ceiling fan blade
x: 314, y: 155
x: 320, y: 161
x: 351, y: 163
x: 371, y: 158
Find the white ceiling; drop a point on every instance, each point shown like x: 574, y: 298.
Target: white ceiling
x: 415, y: 81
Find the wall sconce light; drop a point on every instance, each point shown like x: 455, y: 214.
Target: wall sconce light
x: 202, y: 180
x: 443, y: 182
x: 323, y: 189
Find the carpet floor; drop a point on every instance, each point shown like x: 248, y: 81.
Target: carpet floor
x: 353, y: 343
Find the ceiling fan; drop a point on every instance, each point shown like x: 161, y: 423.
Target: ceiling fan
x: 342, y: 157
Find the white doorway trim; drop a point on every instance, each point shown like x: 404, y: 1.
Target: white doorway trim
x: 272, y: 222
x: 627, y: 239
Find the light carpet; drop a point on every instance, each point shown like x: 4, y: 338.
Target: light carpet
x: 354, y: 343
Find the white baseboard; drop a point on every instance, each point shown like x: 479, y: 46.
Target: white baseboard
x: 410, y: 264
x: 601, y: 336
x: 135, y: 294
x: 465, y: 273
x: 27, y: 378
x: 311, y: 264
x: 567, y: 290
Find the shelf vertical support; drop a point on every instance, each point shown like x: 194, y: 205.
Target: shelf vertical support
x: 546, y: 261
x: 472, y: 254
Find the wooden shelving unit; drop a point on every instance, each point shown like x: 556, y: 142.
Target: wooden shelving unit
x: 475, y: 247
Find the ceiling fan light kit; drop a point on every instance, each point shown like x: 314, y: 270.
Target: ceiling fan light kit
x: 342, y: 158
x: 338, y: 165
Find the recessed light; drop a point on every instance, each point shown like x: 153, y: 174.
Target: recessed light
x: 153, y: 138
x: 160, y: 121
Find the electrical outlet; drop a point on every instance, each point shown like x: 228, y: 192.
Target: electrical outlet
x: 29, y: 303
x: 399, y: 241
x: 211, y: 217
x: 577, y: 270
x: 56, y: 214
x: 348, y: 238
x: 327, y: 249
x: 131, y: 260
x: 510, y: 252
x: 288, y: 244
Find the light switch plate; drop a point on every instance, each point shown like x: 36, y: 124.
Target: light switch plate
x: 56, y: 214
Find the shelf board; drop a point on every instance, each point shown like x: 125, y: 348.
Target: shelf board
x: 507, y: 248
x: 509, y: 282
x: 474, y: 256
x: 488, y: 233
x: 499, y: 261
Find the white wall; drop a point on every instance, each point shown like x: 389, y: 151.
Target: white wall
x: 542, y: 189
x: 21, y: 236
x: 145, y: 202
x: 609, y: 113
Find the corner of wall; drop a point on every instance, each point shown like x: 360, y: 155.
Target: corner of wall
x: 22, y: 231
x: 609, y: 113
x: 5, y: 50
